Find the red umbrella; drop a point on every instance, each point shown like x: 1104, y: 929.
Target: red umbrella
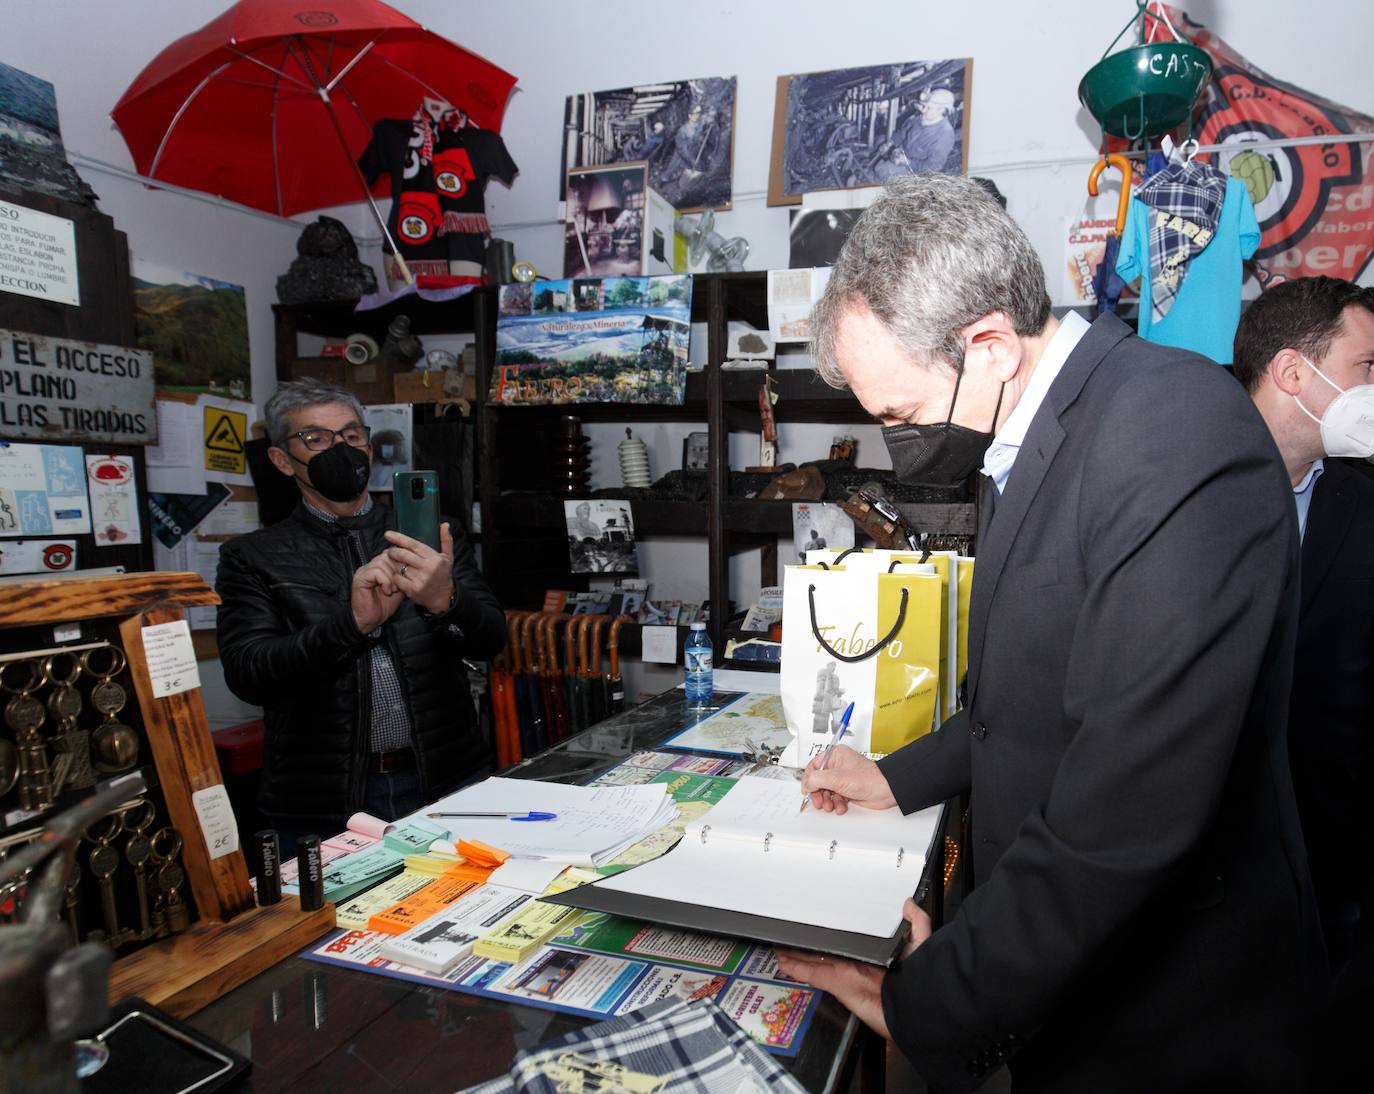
x: 270, y: 105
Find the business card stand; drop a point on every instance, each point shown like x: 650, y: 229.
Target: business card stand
x: 233, y: 939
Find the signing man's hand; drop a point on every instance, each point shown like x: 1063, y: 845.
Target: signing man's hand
x: 423, y: 575
x: 848, y: 777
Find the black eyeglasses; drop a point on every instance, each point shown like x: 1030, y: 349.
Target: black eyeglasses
x: 317, y: 440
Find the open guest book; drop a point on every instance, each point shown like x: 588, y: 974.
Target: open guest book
x: 754, y: 867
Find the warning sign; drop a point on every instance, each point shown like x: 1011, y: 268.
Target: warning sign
x: 224, y: 433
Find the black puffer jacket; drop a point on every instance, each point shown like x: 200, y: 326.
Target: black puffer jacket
x: 288, y: 642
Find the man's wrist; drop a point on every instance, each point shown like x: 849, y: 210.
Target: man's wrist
x: 440, y: 608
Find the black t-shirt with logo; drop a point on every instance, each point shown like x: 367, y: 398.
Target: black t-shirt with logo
x: 438, y: 208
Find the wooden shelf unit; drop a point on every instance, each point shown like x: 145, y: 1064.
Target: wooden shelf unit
x: 524, y: 545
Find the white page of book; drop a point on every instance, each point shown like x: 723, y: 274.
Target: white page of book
x: 861, y: 888
x: 591, y: 820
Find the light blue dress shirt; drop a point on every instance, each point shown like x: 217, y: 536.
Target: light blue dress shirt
x: 1302, y: 494
x: 1001, y: 454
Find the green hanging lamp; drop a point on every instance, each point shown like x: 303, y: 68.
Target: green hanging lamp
x: 1149, y: 88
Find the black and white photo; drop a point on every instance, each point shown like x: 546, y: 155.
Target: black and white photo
x: 862, y: 126
x: 601, y: 537
x: 684, y: 130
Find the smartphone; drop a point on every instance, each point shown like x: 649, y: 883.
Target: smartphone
x: 416, y: 497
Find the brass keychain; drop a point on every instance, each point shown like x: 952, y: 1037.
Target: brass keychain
x: 137, y: 850
x: 70, y: 902
x: 170, y: 877
x: 104, y: 862
x: 113, y: 744
x: 25, y: 715
x: 71, y: 745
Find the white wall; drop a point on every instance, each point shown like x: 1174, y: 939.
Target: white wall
x: 1028, y: 58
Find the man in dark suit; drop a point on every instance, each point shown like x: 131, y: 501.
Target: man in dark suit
x: 1142, y: 917
x: 1305, y: 352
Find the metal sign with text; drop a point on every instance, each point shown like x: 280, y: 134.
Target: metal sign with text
x: 57, y: 389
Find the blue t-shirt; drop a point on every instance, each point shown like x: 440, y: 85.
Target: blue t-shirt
x: 1204, y: 316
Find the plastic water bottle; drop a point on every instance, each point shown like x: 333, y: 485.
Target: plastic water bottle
x: 696, y: 659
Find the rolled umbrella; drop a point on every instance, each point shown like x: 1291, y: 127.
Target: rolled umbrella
x: 595, y: 688
x: 520, y: 680
x: 270, y: 106
x: 503, y: 710
x: 571, y: 681
x: 553, y: 677
x: 539, y: 726
x: 584, y: 673
x: 615, y: 686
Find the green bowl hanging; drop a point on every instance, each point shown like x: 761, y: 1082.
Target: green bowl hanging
x: 1145, y: 90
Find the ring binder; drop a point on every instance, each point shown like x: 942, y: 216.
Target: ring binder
x: 759, y: 875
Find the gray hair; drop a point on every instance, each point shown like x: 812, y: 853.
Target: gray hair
x: 933, y: 254
x: 297, y: 395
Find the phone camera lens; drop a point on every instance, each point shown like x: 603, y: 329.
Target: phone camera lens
x: 417, y: 489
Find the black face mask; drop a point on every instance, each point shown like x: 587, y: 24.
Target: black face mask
x: 941, y: 454
x: 340, y: 472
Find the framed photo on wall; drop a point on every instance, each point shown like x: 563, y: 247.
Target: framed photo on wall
x: 684, y: 130
x: 696, y: 451
x: 855, y: 127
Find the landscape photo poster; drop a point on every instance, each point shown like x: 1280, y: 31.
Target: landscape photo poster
x: 593, y: 340
x: 196, y: 328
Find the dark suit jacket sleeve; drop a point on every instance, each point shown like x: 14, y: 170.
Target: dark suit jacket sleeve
x: 1187, y: 533
x: 931, y: 769
x: 264, y: 660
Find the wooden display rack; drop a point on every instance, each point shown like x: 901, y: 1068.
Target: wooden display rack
x: 233, y: 939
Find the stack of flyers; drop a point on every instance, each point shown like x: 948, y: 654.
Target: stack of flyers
x: 439, y: 943
x: 516, y: 939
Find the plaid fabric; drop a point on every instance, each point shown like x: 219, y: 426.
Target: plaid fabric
x: 390, y: 723
x: 1185, y: 201
x: 670, y: 1046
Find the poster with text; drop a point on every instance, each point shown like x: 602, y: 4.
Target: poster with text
x: 37, y: 556
x: 42, y: 491
x: 114, y: 500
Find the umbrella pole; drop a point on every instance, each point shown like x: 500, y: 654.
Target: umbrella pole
x: 367, y: 191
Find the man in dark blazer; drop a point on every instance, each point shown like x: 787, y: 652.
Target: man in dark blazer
x: 1301, y: 347
x: 1142, y: 916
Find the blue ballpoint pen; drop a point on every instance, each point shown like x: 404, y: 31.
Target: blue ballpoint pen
x: 825, y: 756
x: 530, y: 816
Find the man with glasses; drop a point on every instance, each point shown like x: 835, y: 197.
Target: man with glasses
x: 350, y: 635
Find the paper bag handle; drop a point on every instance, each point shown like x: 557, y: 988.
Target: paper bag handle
x: 851, y: 658
x: 892, y: 566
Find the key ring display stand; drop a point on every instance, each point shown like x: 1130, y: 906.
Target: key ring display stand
x: 233, y: 939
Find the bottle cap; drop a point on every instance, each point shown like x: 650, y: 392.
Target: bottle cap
x: 698, y: 626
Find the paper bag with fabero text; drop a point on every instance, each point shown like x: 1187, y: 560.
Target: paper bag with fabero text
x: 862, y: 636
